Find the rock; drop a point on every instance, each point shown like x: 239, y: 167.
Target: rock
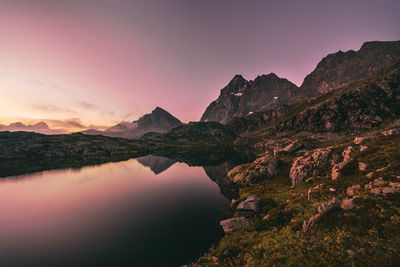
x: 369, y: 175
x: 368, y: 186
x: 294, y: 146
x: 363, y: 148
x: 307, y: 225
x: 235, y: 224
x: 350, y: 252
x: 346, y: 154
x: 335, y: 202
x: 304, y: 166
x: 379, y: 182
x: 394, y: 184
x: 313, y: 189
x: 376, y: 191
x: 390, y: 132
x: 347, y: 204
x: 381, y: 169
x: 362, y: 166
x: 309, y: 192
x: 266, y: 217
x: 277, y: 150
x: 358, y: 140
x: 387, y: 190
x: 262, y: 168
x: 336, y: 169
x: 250, y: 206
x: 353, y: 190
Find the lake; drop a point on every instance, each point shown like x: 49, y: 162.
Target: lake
x: 150, y: 211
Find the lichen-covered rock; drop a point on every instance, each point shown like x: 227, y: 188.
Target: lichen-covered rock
x: 353, y: 190
x: 362, y: 166
x: 304, y: 166
x: 336, y: 169
x: 250, y: 206
x: 390, y: 132
x: 294, y: 146
x: 307, y: 225
x: 325, y: 207
x: 335, y: 202
x: 346, y: 154
x: 379, y: 182
x: 358, y: 140
x: 382, y: 190
x: 235, y: 224
x: 347, y: 204
x: 262, y: 168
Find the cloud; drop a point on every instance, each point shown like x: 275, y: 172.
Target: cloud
x: 75, y: 124
x: 91, y: 106
x: 52, y: 108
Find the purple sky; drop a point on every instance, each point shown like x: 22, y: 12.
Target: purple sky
x: 100, y: 62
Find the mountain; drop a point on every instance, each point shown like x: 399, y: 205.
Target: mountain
x: 241, y: 97
x: 359, y: 105
x: 158, y: 121
x: 227, y: 104
x: 341, y: 68
x: 40, y: 127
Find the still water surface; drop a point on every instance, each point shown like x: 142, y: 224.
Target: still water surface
x: 114, y: 214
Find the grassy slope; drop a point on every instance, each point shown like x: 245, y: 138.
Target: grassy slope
x: 371, y: 229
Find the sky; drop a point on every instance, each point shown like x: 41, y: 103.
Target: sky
x: 90, y: 64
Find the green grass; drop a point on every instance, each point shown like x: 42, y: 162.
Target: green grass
x: 367, y: 235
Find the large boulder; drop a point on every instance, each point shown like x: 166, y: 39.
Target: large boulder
x: 235, y: 224
x: 305, y: 165
x: 262, y: 168
x: 337, y: 168
x: 250, y: 206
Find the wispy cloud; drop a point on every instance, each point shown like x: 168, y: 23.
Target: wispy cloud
x: 75, y: 124
x: 52, y: 108
x: 90, y: 106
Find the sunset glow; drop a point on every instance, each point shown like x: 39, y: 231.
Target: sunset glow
x: 99, y: 64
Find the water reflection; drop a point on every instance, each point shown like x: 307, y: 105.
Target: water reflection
x: 156, y: 163
x: 115, y: 214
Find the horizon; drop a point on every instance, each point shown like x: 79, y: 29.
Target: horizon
x: 112, y: 64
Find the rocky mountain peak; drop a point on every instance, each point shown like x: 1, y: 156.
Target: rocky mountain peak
x: 341, y: 68
x: 241, y: 97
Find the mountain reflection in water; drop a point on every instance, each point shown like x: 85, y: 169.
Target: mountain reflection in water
x: 113, y: 214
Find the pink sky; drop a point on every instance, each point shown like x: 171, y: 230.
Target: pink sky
x: 101, y: 62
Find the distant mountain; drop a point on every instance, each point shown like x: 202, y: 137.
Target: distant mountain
x: 157, y: 164
x: 241, y: 97
x: 341, y: 68
x: 158, y: 121
x: 40, y: 127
